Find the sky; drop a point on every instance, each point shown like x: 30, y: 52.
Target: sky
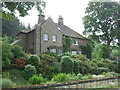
x: 72, y: 12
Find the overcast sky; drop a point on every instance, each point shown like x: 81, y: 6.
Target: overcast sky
x: 71, y: 10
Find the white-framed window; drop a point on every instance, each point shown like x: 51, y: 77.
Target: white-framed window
x: 74, y: 52
x: 75, y: 42
x: 45, y: 37
x: 53, y: 50
x: 54, y: 38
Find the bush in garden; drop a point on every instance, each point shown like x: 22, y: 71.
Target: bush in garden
x: 61, y: 77
x: 20, y: 63
x: 5, y: 74
x: 75, y: 67
x: 50, y: 53
x: 66, y: 64
x: 82, y: 57
x: 79, y: 75
x: 6, y: 83
x: 48, y: 58
x: 18, y: 52
x: 45, y: 69
x: 33, y: 60
x: 36, y: 79
x: 7, y: 55
x: 73, y: 77
x: 89, y: 76
x: 101, y: 70
x: 29, y: 71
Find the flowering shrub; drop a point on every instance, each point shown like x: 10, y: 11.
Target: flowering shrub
x: 20, y: 63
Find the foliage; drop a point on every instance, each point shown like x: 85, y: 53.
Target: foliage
x: 50, y: 59
x: 36, y: 79
x: 100, y: 51
x: 73, y: 77
x: 21, y: 7
x: 75, y: 67
x: 45, y: 69
x: 18, y: 52
x: 66, y: 64
x: 101, y: 21
x: 116, y: 52
x: 50, y: 53
x: 6, y: 75
x: 89, y: 76
x: 29, y: 71
x: 7, y: 39
x: 79, y: 75
x: 6, y: 83
x: 7, y: 55
x: 87, y: 50
x: 33, y: 60
x: 20, y: 63
x: 81, y: 57
x: 67, y: 42
x: 61, y: 77
x: 100, y: 70
x: 10, y: 27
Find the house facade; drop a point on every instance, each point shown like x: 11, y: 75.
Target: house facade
x: 48, y: 36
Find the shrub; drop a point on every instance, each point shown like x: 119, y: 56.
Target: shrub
x: 66, y: 64
x: 6, y: 83
x: 75, y: 67
x: 79, y: 75
x: 36, y: 79
x: 29, y: 71
x: 89, y: 76
x: 18, y: 52
x: 73, y: 77
x: 61, y: 77
x: 33, y: 60
x: 20, y: 63
x: 101, y: 70
x: 5, y: 74
x: 48, y: 58
x: 82, y: 57
x: 45, y: 69
x: 7, y: 55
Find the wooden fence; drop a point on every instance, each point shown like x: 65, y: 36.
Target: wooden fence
x: 89, y: 83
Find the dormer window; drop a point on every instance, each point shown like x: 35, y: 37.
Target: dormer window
x: 54, y: 38
x: 75, y: 42
x: 45, y: 37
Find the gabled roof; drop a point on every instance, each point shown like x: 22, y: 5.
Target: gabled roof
x: 69, y: 32
x: 65, y: 30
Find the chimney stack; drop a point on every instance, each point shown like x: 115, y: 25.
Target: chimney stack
x: 60, y: 21
x: 41, y: 18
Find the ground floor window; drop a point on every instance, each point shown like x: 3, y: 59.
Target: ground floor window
x: 74, y: 52
x: 79, y: 52
x: 53, y: 50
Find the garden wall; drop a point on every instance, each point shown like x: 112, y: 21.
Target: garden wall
x: 90, y: 83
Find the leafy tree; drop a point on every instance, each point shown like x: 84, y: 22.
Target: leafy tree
x: 10, y: 27
x: 22, y: 26
x: 87, y: 50
x: 67, y: 42
x: 101, y: 21
x: 21, y: 7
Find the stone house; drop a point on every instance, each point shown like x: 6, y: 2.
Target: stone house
x: 47, y: 36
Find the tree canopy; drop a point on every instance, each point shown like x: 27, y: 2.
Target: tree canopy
x: 10, y: 8
x: 101, y: 21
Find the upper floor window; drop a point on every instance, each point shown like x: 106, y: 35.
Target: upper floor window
x: 75, y: 42
x: 54, y: 38
x: 45, y: 37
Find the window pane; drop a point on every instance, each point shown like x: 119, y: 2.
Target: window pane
x: 54, y: 38
x: 45, y: 37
